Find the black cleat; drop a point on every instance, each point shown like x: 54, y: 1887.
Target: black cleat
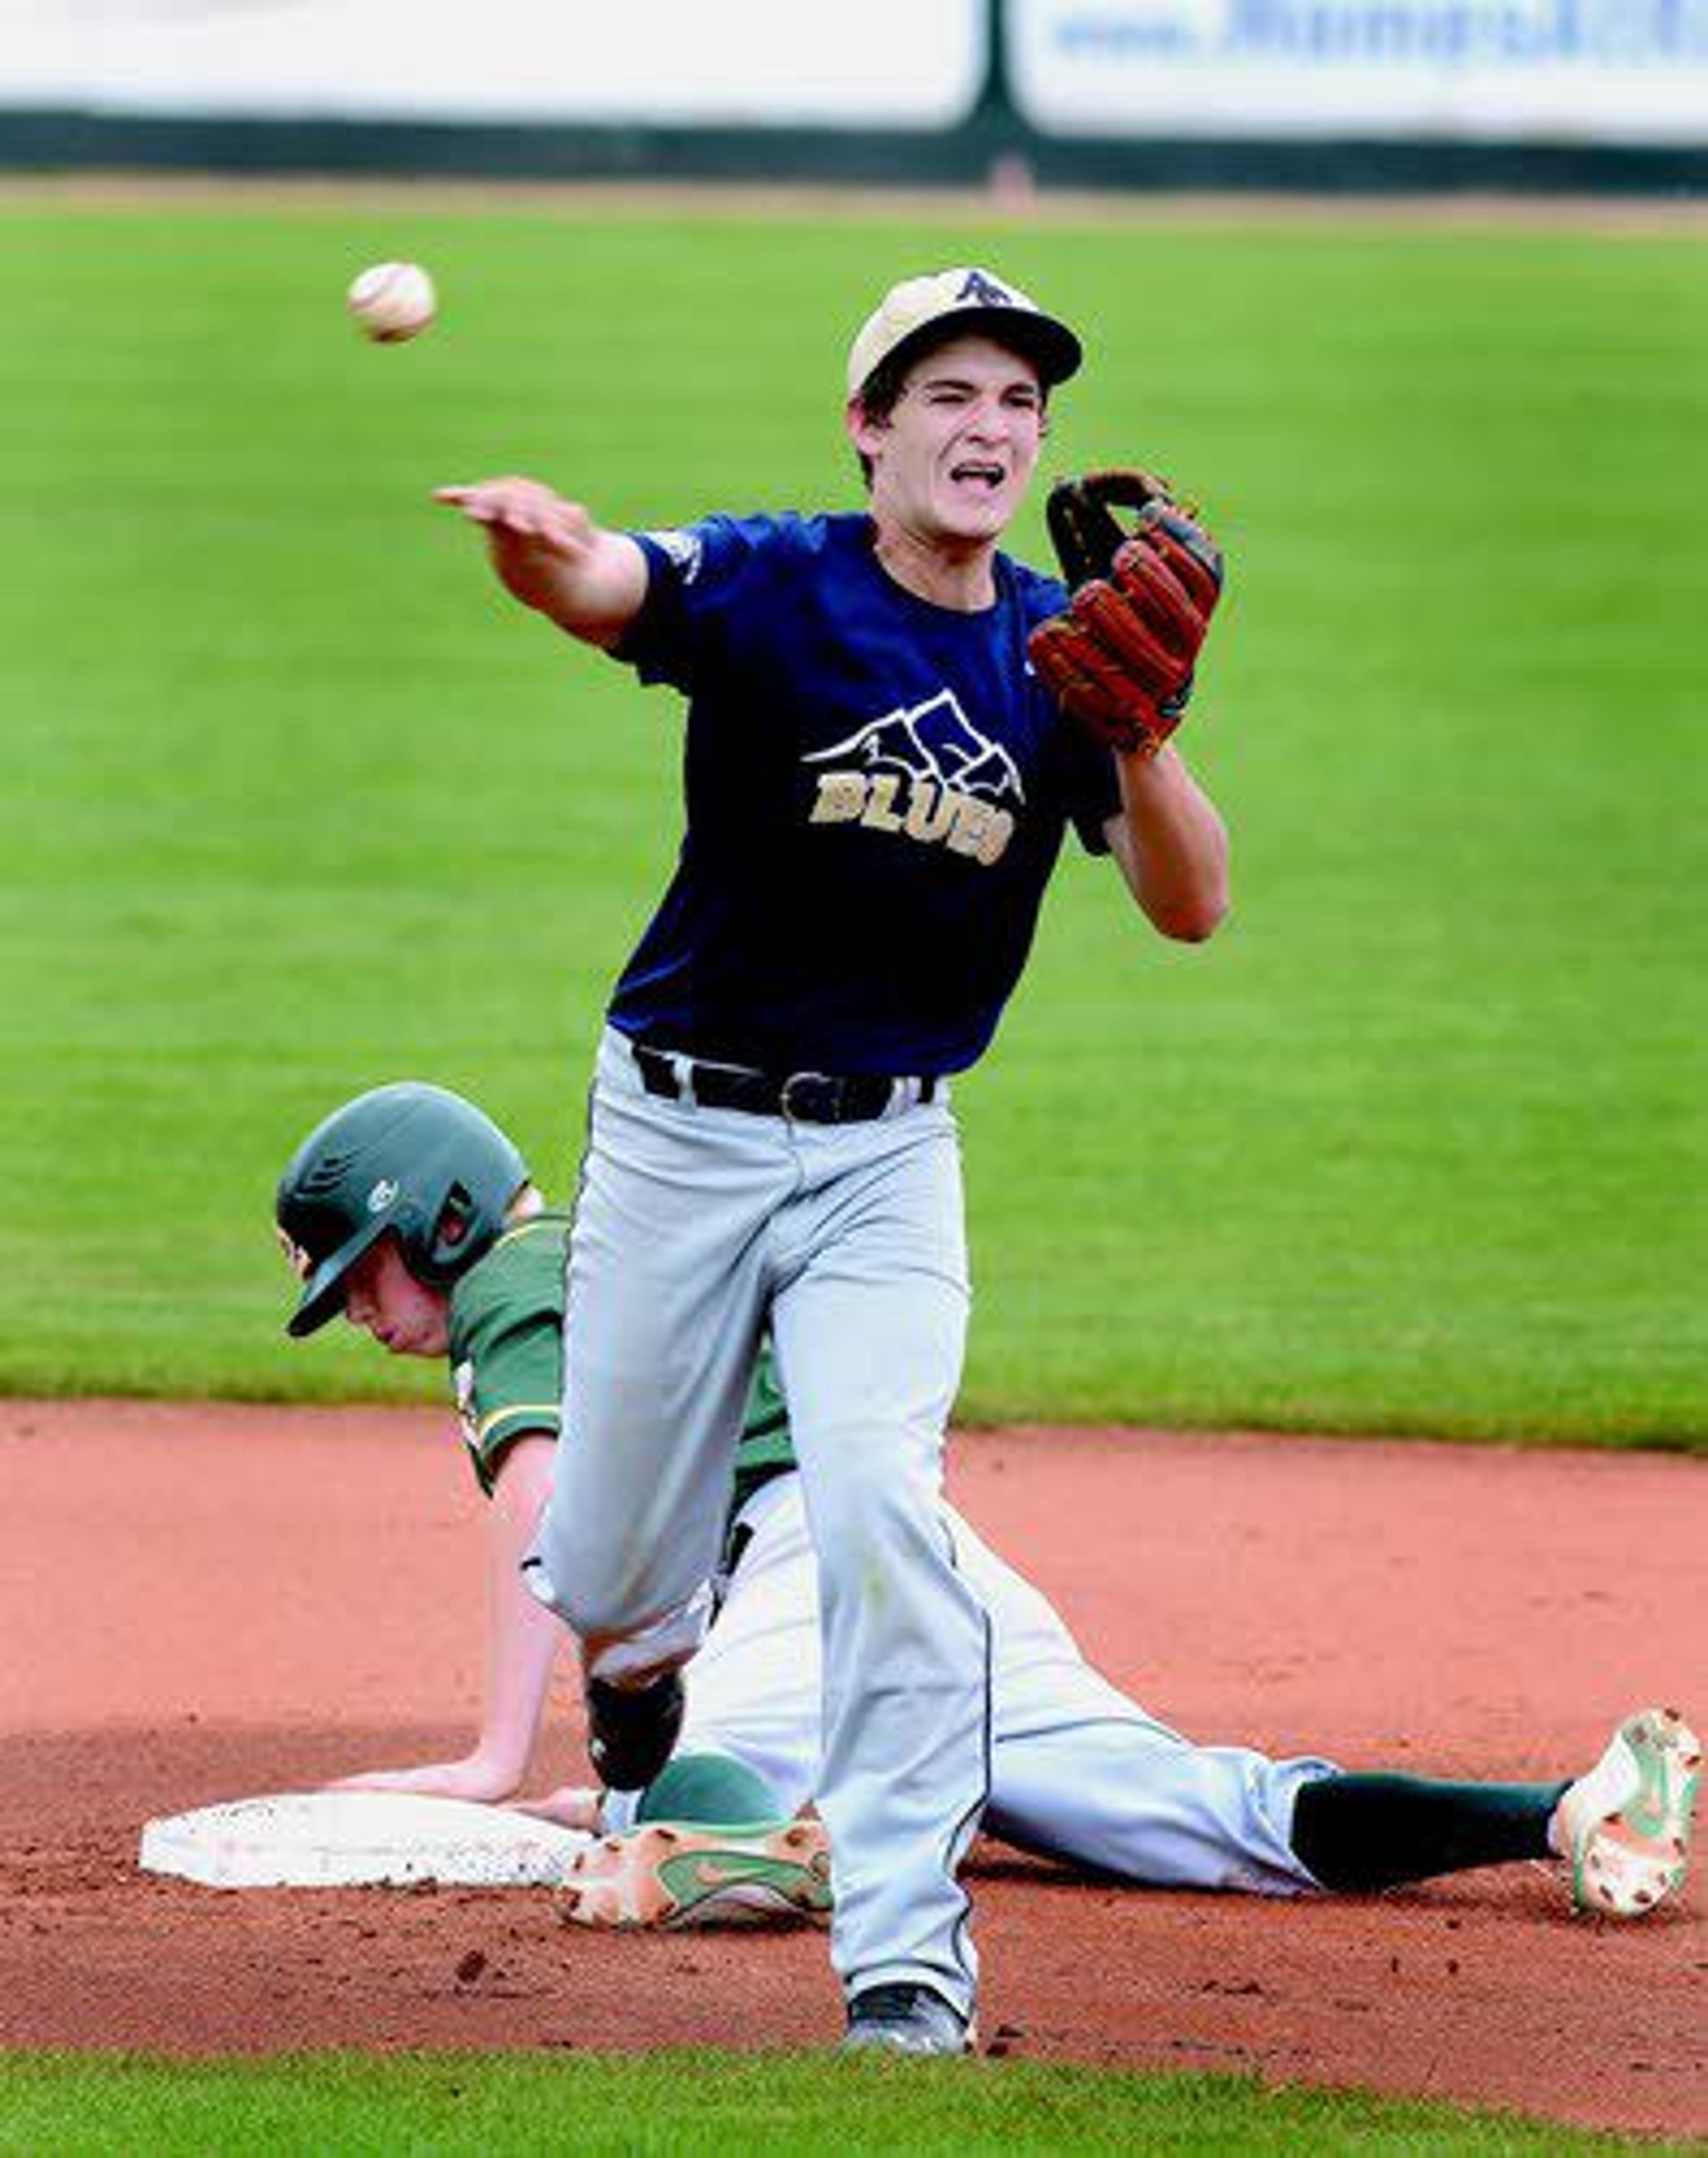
x: 905, y: 2019
x: 632, y: 1731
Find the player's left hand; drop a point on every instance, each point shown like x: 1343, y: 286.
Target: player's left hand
x: 570, y: 1805
x: 1121, y: 659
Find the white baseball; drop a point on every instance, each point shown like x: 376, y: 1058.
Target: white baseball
x: 392, y: 301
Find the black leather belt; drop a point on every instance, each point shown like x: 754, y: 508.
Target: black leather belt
x: 804, y: 1097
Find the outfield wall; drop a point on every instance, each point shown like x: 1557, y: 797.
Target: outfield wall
x: 1543, y: 93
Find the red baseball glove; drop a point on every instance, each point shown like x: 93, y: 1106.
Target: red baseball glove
x: 1121, y: 658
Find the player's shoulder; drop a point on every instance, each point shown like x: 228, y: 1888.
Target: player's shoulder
x: 1037, y: 594
x: 797, y: 531
x: 787, y: 537
x: 520, y: 1278
x: 729, y: 550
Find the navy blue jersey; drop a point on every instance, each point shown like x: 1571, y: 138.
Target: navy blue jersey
x: 877, y: 790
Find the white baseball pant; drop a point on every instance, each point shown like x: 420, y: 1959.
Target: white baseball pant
x: 1079, y: 1771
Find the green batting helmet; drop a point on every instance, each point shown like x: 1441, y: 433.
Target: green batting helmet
x: 415, y: 1159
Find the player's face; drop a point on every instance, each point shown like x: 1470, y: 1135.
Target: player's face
x: 954, y: 459
x: 402, y: 1313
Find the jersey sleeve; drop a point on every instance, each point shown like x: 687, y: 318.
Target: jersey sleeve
x: 1091, y: 786
x: 506, y: 1346
x: 701, y: 577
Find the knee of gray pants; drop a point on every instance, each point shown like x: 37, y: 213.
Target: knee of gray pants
x: 618, y: 1646
x: 586, y: 1587
x: 629, y: 1578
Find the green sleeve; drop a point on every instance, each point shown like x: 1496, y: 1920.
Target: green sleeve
x: 766, y: 1449
x: 507, y: 1316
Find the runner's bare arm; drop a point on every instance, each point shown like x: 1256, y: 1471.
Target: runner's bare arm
x: 522, y: 1638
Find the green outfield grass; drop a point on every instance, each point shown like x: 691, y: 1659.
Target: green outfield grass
x: 297, y: 802
x: 58, y: 2106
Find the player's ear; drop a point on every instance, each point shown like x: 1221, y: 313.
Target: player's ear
x: 864, y: 430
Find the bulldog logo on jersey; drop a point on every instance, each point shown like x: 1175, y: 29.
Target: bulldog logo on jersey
x: 924, y: 771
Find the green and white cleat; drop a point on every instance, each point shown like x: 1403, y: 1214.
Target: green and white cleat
x: 696, y: 1873
x: 1624, y: 1829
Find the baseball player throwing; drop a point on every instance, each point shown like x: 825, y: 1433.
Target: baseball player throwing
x: 879, y: 779
x: 412, y: 1213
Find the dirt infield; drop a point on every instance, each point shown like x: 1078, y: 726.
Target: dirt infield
x: 203, y: 1603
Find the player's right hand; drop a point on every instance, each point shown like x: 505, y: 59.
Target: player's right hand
x: 522, y: 509
x: 536, y: 538
x: 472, y: 1779
x: 550, y: 554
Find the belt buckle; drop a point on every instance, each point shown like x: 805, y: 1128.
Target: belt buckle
x: 804, y: 1115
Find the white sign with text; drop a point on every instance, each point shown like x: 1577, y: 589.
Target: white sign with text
x: 899, y: 63
x: 1566, y: 71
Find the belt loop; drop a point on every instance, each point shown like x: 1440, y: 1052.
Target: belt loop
x: 672, y: 1072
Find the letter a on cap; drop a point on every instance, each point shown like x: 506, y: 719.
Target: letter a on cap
x: 984, y: 291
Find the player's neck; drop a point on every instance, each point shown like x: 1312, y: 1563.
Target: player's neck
x: 959, y: 575
x: 529, y: 1201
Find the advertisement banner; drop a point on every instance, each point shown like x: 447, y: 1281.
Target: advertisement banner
x: 662, y: 63
x: 1566, y: 71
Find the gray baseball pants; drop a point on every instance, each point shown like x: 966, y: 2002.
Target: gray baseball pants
x: 694, y: 1229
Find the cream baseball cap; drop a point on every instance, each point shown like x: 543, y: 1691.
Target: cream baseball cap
x: 947, y: 302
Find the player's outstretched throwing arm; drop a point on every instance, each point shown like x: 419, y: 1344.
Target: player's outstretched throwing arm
x: 550, y: 554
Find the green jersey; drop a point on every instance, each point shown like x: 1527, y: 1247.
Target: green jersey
x: 507, y: 1359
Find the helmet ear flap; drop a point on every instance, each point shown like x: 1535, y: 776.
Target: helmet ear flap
x: 452, y: 1227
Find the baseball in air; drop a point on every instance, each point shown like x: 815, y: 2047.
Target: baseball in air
x: 392, y: 301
